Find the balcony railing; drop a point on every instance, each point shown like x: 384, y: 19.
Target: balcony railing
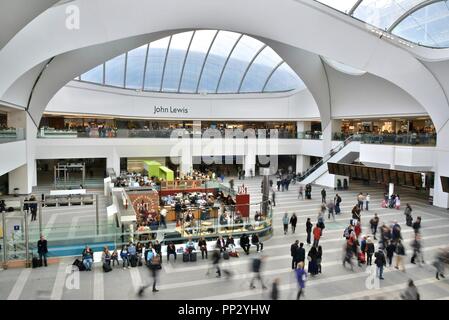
x: 419, y: 139
x: 143, y: 133
x: 12, y: 134
x: 308, y: 135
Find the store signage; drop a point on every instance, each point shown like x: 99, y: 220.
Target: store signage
x: 172, y: 110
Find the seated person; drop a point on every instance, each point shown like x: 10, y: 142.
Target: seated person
x: 106, y: 256
x: 132, y: 251
x: 202, y: 244
x: 230, y: 241
x: 223, y: 219
x: 244, y: 243
x: 124, y: 256
x: 190, y: 245
x: 258, y: 216
x: 114, y: 257
x: 221, y: 244
x: 171, y: 249
x: 255, y: 241
x: 139, y: 250
x: 158, y: 248
x: 189, y: 217
x: 88, y: 258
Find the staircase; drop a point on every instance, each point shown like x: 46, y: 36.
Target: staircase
x: 346, y: 152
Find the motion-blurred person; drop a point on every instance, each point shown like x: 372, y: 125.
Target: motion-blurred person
x: 330, y: 210
x: 408, y: 215
x: 256, y: 267
x: 374, y: 222
x: 417, y: 250
x: 369, y: 251
x: 411, y: 293
x: 154, y: 267
x: 347, y: 254
x: 440, y: 260
x: 417, y: 225
x: 380, y: 262
x: 390, y: 249
x: 400, y: 254
x: 285, y: 221
x: 275, y: 289
x: 323, y: 195
x: 301, y: 277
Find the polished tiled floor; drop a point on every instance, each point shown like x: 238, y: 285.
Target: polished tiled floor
x: 189, y: 281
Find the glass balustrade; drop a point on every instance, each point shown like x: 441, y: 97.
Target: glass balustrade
x: 414, y: 139
x: 12, y: 134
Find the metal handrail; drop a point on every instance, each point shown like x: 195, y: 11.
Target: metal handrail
x: 326, y: 158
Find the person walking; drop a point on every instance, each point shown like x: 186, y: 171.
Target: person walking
x: 360, y: 199
x: 411, y: 293
x: 400, y: 253
x: 417, y: 250
x: 293, y: 249
x: 390, y: 248
x: 374, y: 222
x: 42, y: 250
x: 256, y: 269
x: 301, y: 277
x: 323, y: 195
x: 337, y: 201
x: 154, y: 266
x: 275, y: 289
x: 369, y: 251
x: 417, y: 225
x: 439, y: 263
x: 367, y: 200
x: 301, y: 192
x: 285, y: 221
x: 316, y: 235
x: 293, y: 221
x: 330, y: 209
x: 163, y: 214
x: 309, y: 226
x: 408, y: 215
x: 380, y: 262
x: 273, y: 197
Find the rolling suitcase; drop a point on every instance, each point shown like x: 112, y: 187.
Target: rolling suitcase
x: 35, y: 262
x: 185, y: 257
x: 107, y: 267
x: 193, y: 257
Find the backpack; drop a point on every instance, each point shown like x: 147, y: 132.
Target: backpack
x: 346, y: 233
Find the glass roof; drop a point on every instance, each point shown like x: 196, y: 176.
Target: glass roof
x: 201, y: 61
x: 424, y: 22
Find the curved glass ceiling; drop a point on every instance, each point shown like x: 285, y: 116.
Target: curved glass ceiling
x: 201, y: 61
x: 424, y: 22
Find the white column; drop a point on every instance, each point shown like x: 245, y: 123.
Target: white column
x: 302, y: 126
x: 249, y: 163
x: 441, y: 198
x: 302, y: 163
x: 113, y: 161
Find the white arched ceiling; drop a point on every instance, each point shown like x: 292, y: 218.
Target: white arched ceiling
x: 16, y: 14
x: 65, y: 67
x: 296, y: 23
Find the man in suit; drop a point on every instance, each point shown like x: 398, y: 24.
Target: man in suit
x: 300, y: 254
x: 42, y: 250
x: 293, y: 249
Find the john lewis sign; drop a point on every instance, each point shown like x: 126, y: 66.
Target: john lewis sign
x: 170, y: 110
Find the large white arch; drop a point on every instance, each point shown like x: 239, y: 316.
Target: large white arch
x: 296, y: 23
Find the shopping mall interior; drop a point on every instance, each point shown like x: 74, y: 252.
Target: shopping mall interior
x: 144, y: 141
